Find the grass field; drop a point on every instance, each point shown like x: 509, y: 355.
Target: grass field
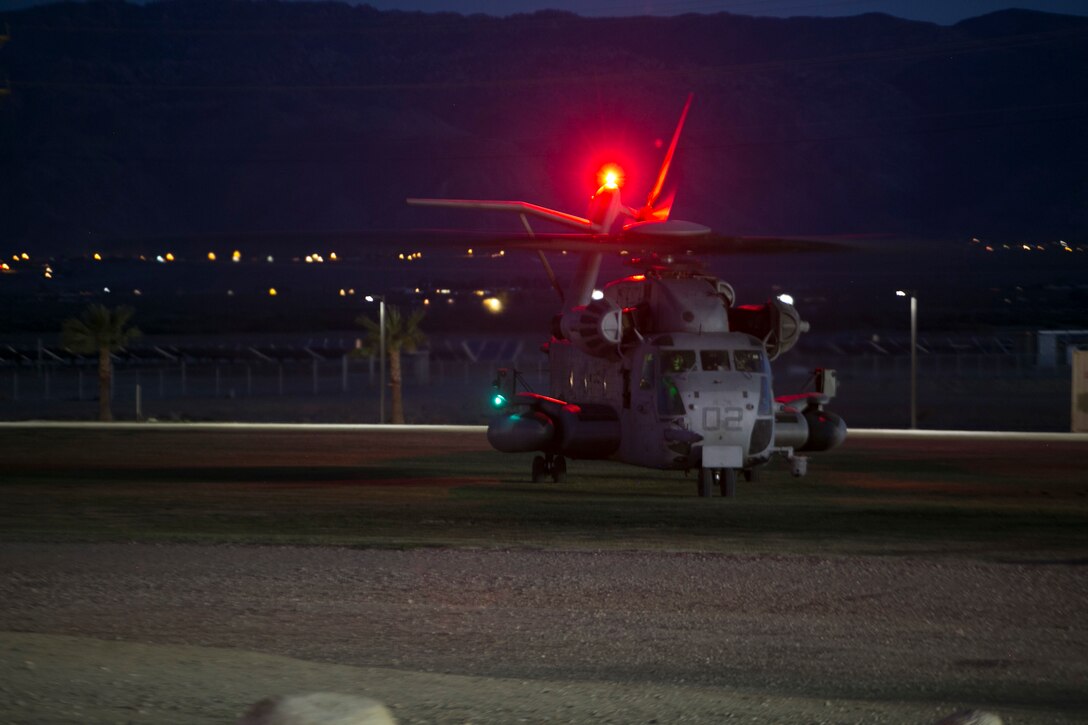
x: 974, y: 497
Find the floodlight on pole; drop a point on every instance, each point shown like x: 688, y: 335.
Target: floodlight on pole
x: 913, y: 354
x: 381, y: 352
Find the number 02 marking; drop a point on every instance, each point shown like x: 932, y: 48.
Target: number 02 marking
x: 722, y: 418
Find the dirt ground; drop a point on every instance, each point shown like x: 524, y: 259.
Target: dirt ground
x: 108, y: 631
x: 184, y: 633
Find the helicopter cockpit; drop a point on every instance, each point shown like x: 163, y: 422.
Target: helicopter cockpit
x: 712, y: 360
x: 715, y: 387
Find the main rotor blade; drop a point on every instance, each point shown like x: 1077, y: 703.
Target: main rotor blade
x: 656, y: 191
x: 518, y: 207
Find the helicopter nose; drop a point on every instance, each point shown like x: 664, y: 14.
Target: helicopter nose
x: 722, y: 417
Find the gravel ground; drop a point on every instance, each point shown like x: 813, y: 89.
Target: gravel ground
x: 181, y: 633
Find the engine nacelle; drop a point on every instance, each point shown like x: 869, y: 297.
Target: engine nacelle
x: 777, y: 323
x: 596, y: 328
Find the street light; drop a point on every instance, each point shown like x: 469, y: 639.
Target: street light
x: 381, y: 351
x: 913, y: 354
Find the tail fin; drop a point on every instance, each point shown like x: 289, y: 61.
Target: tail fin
x: 648, y: 213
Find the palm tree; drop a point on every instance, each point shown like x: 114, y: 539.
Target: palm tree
x: 401, y: 334
x: 102, y: 330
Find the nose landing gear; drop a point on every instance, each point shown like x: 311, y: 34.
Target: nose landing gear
x: 725, y: 477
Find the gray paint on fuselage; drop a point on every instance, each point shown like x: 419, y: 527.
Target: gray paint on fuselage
x: 721, y: 405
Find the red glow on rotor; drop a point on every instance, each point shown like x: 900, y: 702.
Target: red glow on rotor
x: 611, y: 176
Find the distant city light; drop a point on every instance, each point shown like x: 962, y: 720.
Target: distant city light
x: 97, y: 257
x: 211, y: 256
x: 493, y: 304
x: 332, y: 256
x: 160, y: 259
x: 25, y: 256
x: 272, y: 292
x: 236, y: 256
x: 343, y: 292
x: 269, y: 259
x: 900, y: 293
x: 169, y: 256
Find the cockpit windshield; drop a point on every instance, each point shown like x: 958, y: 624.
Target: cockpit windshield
x: 677, y: 361
x: 712, y: 360
x: 748, y: 361
x: 667, y: 374
x: 683, y: 361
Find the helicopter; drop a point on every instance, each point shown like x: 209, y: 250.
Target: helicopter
x: 660, y: 369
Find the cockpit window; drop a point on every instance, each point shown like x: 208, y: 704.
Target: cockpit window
x: 748, y: 361
x: 712, y: 360
x: 677, y: 361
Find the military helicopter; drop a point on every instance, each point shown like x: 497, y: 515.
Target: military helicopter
x: 659, y: 369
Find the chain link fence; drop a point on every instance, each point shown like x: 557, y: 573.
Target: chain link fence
x: 969, y: 391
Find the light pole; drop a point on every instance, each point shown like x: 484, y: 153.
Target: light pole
x: 381, y: 352
x: 913, y: 354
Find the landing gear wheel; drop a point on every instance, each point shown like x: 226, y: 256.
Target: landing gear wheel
x: 706, y: 482
x: 728, y: 479
x: 559, y: 469
x: 540, y: 469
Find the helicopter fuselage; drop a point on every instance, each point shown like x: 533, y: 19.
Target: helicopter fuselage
x: 679, y: 399
x: 661, y: 370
